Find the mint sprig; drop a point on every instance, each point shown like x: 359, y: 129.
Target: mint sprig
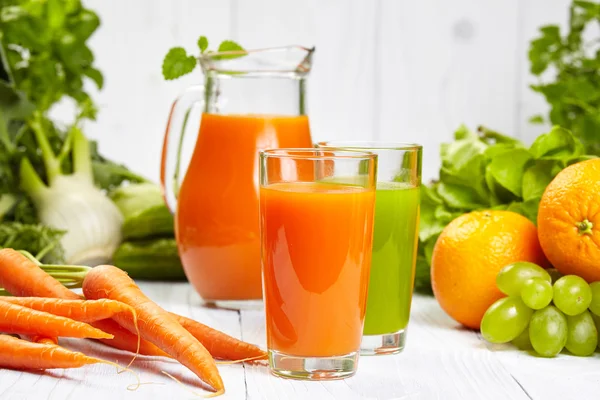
x: 202, y: 44
x: 178, y: 62
x: 489, y: 170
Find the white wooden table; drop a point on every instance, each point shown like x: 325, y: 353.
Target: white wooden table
x: 441, y: 361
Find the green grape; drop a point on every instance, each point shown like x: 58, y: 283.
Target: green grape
x: 554, y: 274
x: 595, y: 304
x: 505, y: 320
x: 511, y: 278
x: 537, y: 293
x: 582, y: 334
x: 596, y: 320
x: 572, y: 294
x: 548, y: 331
x: 522, y: 341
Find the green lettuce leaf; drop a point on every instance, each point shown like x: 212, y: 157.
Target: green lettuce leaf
x: 489, y: 170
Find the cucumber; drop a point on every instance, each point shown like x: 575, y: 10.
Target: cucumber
x: 144, y: 211
x: 151, y: 259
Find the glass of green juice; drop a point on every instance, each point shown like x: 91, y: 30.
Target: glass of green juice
x: 395, y: 239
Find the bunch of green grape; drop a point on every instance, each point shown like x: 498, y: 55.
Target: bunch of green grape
x: 544, y: 311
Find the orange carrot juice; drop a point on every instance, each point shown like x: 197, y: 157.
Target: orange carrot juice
x: 217, y: 223
x: 316, y: 255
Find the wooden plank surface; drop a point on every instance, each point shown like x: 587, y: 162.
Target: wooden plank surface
x: 441, y: 361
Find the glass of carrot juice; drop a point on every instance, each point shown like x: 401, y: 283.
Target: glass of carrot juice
x: 316, y: 218
x: 395, y: 240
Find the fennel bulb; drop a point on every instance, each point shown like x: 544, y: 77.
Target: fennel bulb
x: 72, y: 202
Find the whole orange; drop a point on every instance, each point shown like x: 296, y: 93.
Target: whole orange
x: 470, y: 252
x: 569, y: 220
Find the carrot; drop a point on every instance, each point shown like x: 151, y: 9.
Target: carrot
x: 41, y: 339
x: 219, y: 344
x: 14, y: 263
x: 79, y: 310
x: 125, y: 340
x: 155, y: 324
x: 22, y: 277
x: 20, y: 354
x: 22, y: 320
x: 83, y: 311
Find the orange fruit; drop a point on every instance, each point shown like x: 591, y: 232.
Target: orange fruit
x: 468, y: 255
x: 569, y: 220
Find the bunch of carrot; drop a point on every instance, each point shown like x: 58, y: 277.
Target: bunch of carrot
x: 115, y: 311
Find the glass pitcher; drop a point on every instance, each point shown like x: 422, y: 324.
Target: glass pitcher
x: 250, y: 100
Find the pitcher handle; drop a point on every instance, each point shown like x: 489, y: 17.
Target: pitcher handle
x: 178, y: 118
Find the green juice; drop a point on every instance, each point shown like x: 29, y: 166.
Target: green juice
x: 394, y: 257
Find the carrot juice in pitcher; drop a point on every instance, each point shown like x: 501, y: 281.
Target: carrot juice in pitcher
x: 218, y: 232
x: 251, y: 102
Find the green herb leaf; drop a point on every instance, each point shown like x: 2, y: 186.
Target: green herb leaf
x: 229, y: 45
x: 13, y: 103
x: 56, y: 16
x: 177, y: 63
x: 95, y: 75
x: 573, y: 92
x: 202, y: 44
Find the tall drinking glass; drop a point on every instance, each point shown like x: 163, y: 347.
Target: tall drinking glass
x: 316, y: 218
x: 395, y: 242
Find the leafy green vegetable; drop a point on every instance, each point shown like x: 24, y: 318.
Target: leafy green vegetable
x: 44, y: 59
x: 574, y: 92
x: 178, y: 62
x: 42, y: 241
x: 47, y: 171
x: 144, y: 211
x: 488, y: 170
x: 44, y: 45
x: 71, y: 202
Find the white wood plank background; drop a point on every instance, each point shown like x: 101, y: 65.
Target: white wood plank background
x: 385, y: 69
x: 441, y: 361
